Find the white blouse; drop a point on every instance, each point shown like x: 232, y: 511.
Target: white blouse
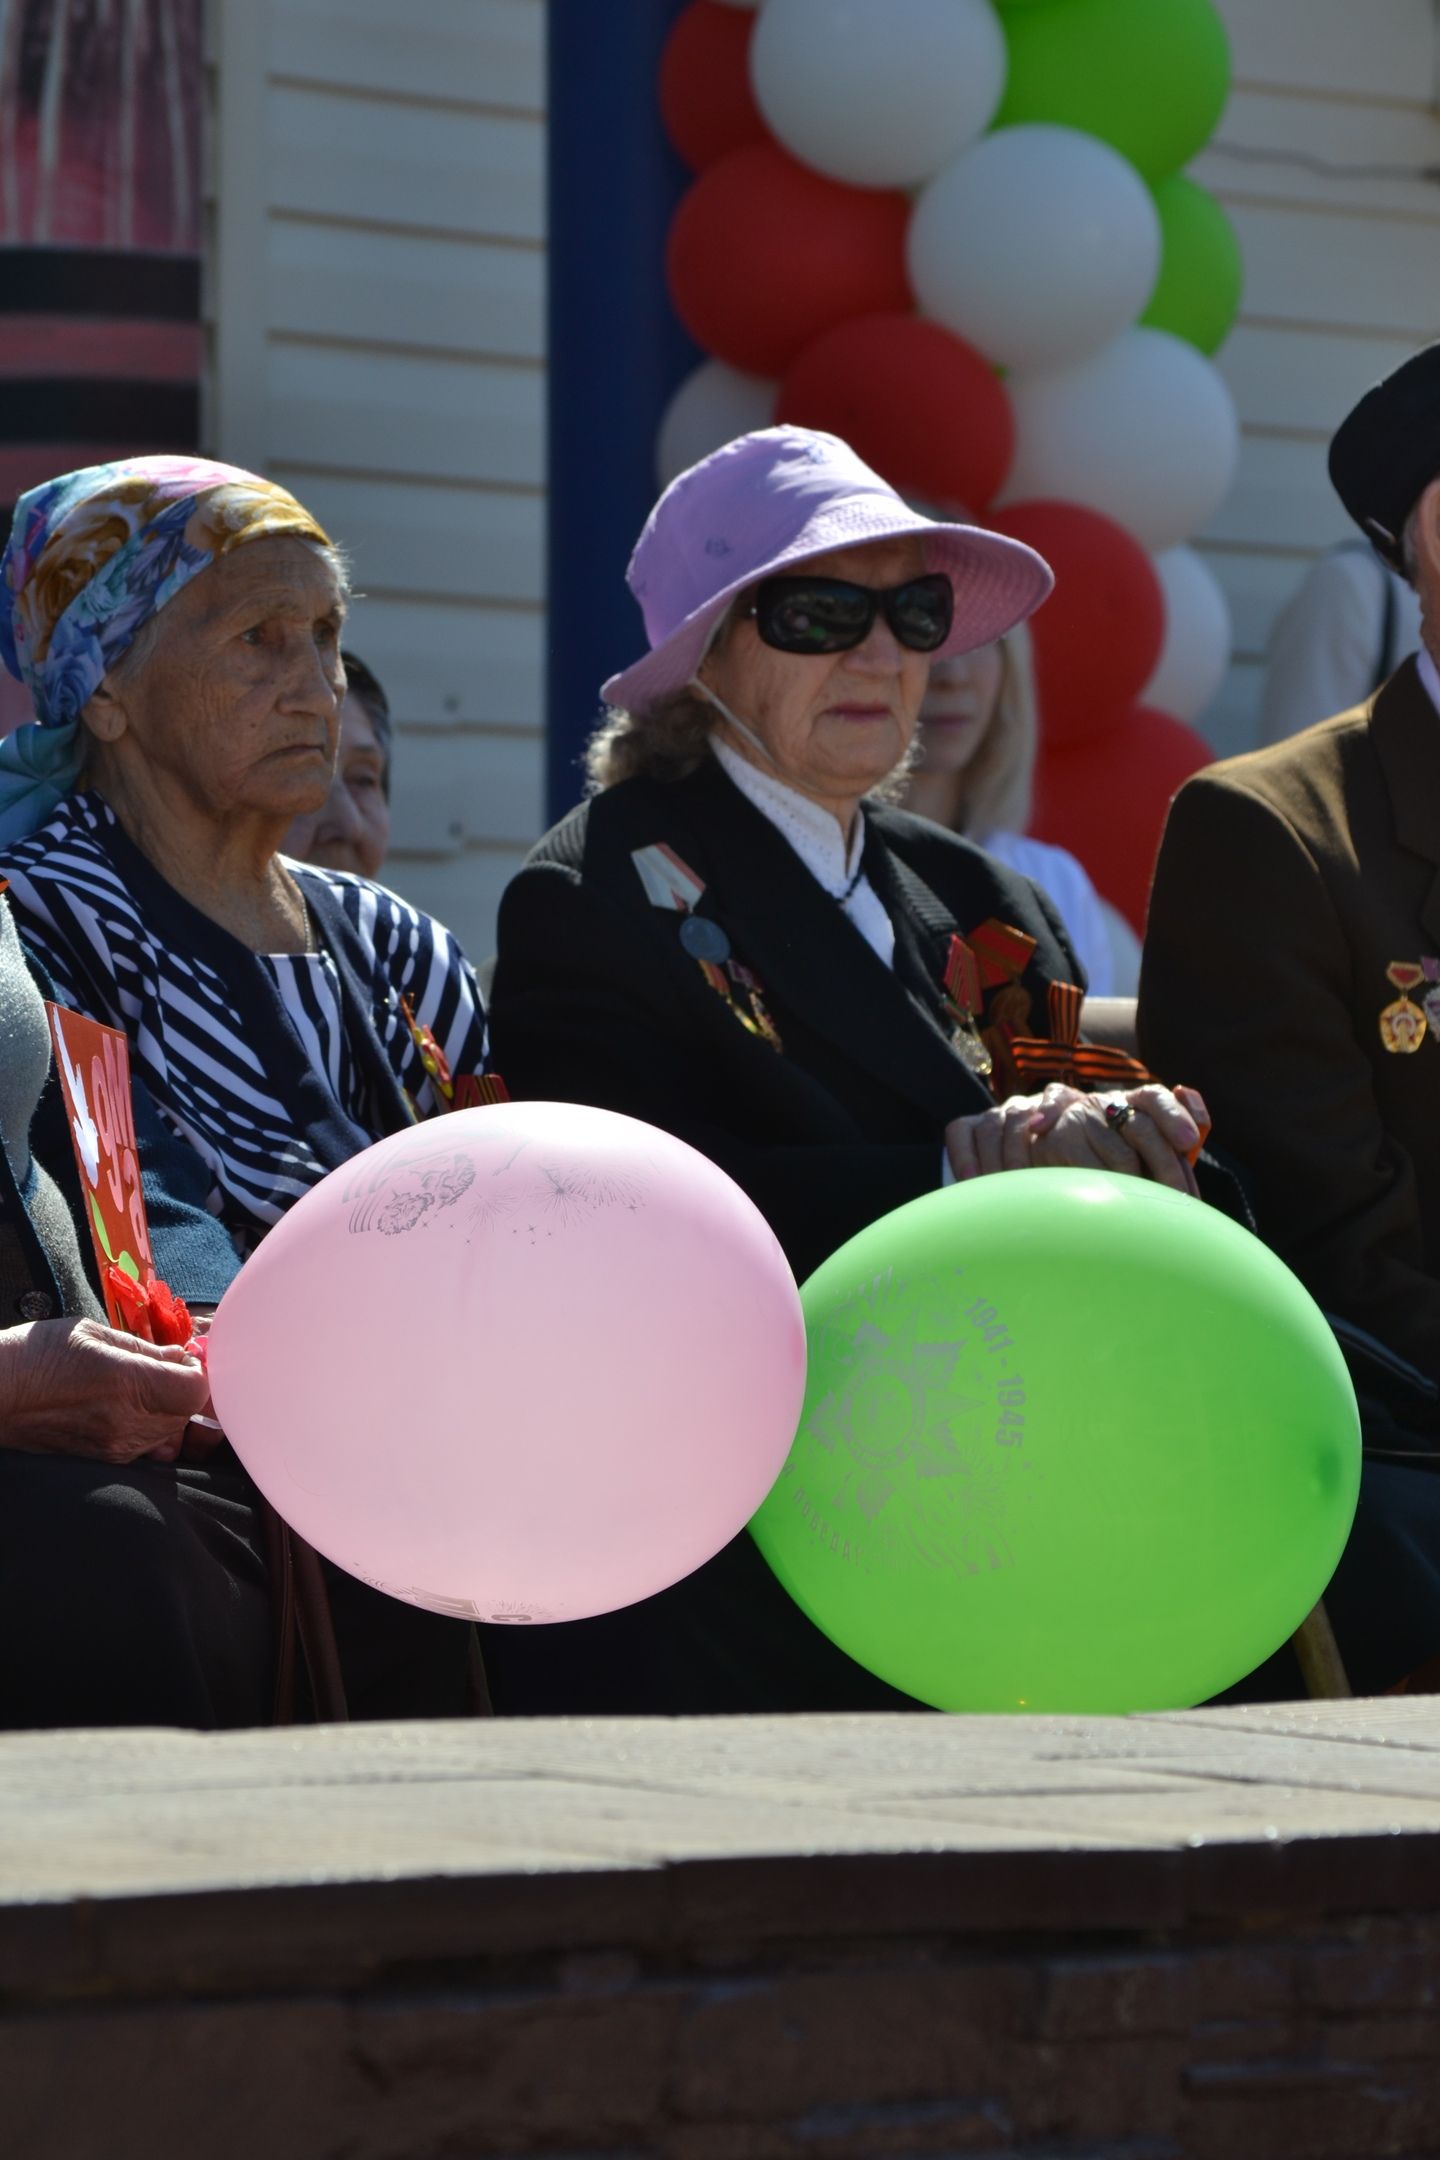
x: 816, y: 837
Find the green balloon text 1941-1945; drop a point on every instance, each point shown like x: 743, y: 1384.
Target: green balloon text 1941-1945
x: 1071, y: 1442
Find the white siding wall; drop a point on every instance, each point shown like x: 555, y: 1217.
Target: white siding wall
x: 377, y: 300
x: 1342, y: 276
x: 377, y: 297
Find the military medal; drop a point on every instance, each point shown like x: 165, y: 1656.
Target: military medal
x: 1403, y: 1025
x: 704, y: 939
x: 469, y: 1091
x: 1061, y: 1055
x: 1002, y: 952
x: 706, y: 943
x: 668, y: 882
x: 963, y: 993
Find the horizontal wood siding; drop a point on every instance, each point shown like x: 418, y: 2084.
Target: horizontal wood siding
x: 395, y: 378
x: 1320, y: 161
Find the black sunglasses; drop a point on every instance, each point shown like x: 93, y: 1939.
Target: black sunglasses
x: 830, y: 615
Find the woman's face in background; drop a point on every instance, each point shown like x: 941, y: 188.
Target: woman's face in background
x: 351, y: 830
x: 959, y: 706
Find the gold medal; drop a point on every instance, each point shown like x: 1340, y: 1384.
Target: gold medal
x: 1403, y: 1026
x: 966, y: 1038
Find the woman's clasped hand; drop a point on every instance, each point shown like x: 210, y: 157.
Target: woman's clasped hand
x: 77, y: 1387
x: 1149, y: 1131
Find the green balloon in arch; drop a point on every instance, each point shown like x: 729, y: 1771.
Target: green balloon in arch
x: 1071, y: 1442
x: 1202, y: 272
x: 1149, y: 76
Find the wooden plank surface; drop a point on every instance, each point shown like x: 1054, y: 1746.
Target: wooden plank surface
x: 438, y: 168
x: 125, y: 1814
x: 455, y: 787
x: 481, y: 52
x: 432, y: 541
x: 452, y: 293
x: 453, y: 663
x: 404, y: 415
x: 1373, y: 49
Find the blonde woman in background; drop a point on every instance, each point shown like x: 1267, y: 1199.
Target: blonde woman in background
x: 973, y: 773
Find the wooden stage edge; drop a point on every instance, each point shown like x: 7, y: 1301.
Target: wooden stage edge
x: 868, y: 1938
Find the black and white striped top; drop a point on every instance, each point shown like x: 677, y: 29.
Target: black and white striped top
x: 123, y: 947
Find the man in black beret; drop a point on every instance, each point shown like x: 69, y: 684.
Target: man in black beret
x: 1292, y: 973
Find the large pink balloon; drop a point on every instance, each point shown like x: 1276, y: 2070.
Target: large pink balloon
x: 528, y: 1362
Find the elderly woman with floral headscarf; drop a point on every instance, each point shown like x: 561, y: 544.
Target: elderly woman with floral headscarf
x: 178, y: 625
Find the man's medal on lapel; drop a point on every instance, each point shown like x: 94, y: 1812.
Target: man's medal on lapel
x: 673, y: 885
x: 1403, y: 1025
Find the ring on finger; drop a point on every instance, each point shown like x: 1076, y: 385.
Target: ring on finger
x: 1118, y: 1113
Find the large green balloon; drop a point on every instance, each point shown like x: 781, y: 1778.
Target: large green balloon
x: 1071, y: 1442
x: 1202, y: 271
x: 1149, y: 76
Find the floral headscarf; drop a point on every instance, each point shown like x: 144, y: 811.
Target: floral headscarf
x: 91, y: 557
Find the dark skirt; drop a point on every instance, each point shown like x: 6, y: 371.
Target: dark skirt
x: 140, y: 1597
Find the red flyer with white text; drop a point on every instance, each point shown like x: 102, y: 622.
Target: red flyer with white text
x: 94, y: 1067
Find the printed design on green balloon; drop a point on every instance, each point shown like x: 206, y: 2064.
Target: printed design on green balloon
x: 910, y: 1456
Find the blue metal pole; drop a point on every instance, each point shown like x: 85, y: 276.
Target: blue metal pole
x: 616, y: 350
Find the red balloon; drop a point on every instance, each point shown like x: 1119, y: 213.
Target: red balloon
x: 1106, y: 801
x: 1097, y: 639
x: 764, y: 254
x: 706, y: 101
x: 925, y: 409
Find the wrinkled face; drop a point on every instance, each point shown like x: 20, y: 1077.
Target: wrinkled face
x: 834, y: 723
x: 235, y: 704
x: 959, y: 706
x: 352, y: 829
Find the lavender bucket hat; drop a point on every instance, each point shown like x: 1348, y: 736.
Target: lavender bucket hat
x: 771, y: 500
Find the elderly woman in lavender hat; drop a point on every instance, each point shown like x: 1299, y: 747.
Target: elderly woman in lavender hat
x: 738, y: 938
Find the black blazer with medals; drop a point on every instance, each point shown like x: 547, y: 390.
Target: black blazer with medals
x: 597, y: 1000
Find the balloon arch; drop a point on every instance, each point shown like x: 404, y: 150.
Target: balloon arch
x: 958, y: 233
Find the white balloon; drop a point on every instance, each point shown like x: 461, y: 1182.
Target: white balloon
x: 879, y: 95
x: 1037, y: 245
x: 712, y: 406
x: 1198, y: 636
x: 1145, y: 431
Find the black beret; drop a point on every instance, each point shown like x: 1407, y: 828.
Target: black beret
x: 1387, y: 451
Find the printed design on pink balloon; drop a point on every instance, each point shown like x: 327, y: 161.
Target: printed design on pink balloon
x: 553, y: 1196
x: 913, y: 1431
x: 405, y: 1195
x: 550, y: 1195
x: 506, y: 1612
x: 576, y: 1192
